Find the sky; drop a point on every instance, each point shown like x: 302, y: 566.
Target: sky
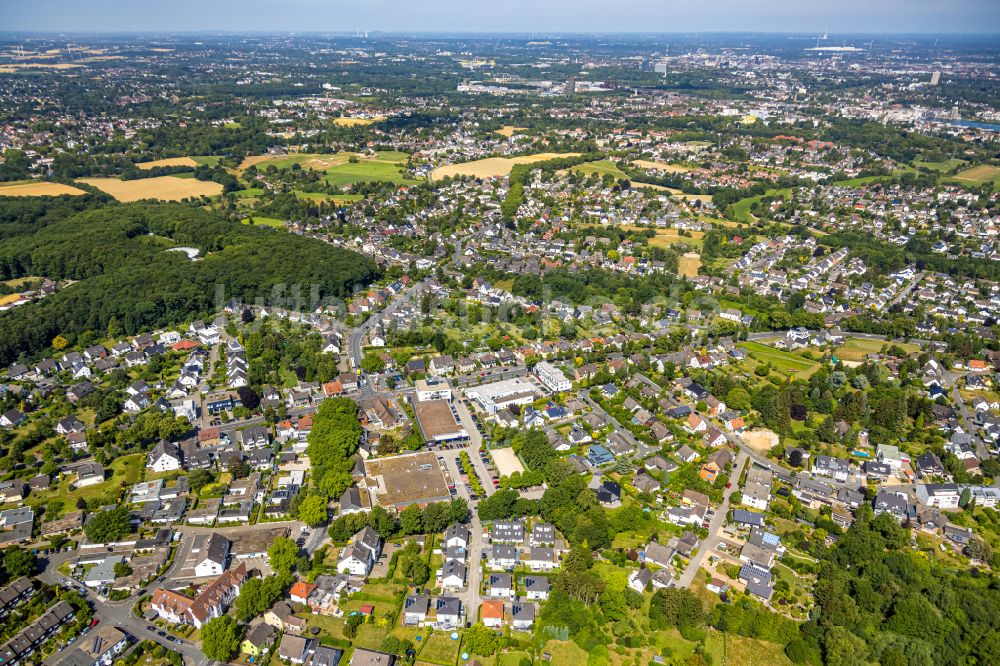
x: 527, y: 16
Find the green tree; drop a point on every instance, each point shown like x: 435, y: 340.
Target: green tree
x: 199, y: 478
x: 411, y: 520
x: 282, y: 554
x: 332, y: 441
x: 372, y: 363
x: 481, y: 640
x: 18, y: 562
x: 313, y: 510
x: 738, y: 398
x: 352, y: 623
x: 220, y: 638
x: 110, y: 525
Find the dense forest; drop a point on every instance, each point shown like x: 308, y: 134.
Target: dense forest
x: 879, y: 601
x: 120, y: 255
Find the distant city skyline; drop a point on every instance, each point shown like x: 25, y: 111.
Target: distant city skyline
x: 521, y: 16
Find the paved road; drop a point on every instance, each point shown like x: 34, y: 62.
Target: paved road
x: 470, y: 596
x: 118, y: 614
x: 474, y: 445
x: 967, y: 421
x: 715, y: 526
x: 358, y: 333
x: 907, y: 290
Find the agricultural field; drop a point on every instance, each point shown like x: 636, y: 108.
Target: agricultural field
x: 492, y: 167
x: 164, y: 188
x: 668, y: 237
x: 387, y: 167
x: 509, y: 130
x: 673, y: 191
x: 979, y: 175
x: 784, y: 361
x: 37, y: 189
x: 208, y: 160
x: 355, y: 122
x: 384, y: 166
x: 661, y: 166
x: 317, y: 161
x: 167, y: 162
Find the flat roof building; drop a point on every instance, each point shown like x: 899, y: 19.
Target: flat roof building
x: 399, y: 481
x: 438, y: 421
x: 552, y: 377
x: 500, y: 395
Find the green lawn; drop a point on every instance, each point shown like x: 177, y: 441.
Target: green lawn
x: 856, y: 348
x: 249, y: 193
x: 266, y: 221
x: 438, y: 648
x: 512, y: 658
x: 601, y: 168
x: 207, y: 160
x: 565, y: 653
x: 392, y: 156
x: 941, y: 167
x: 125, y: 469
x: 741, y: 209
x: 745, y: 651
x: 336, y: 198
x: 781, y: 359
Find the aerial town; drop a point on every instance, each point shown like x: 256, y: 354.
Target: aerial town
x: 480, y: 351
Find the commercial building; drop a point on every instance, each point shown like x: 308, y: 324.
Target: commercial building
x: 503, y: 394
x: 438, y: 422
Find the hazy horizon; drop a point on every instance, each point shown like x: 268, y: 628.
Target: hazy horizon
x: 516, y: 17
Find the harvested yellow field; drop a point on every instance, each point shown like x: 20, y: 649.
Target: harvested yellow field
x: 319, y: 162
x: 660, y: 166
x: 668, y: 237
x: 979, y: 174
x: 688, y: 264
x: 168, y: 162
x: 14, y: 67
x: 9, y: 298
x: 674, y: 191
x: 351, y: 122
x: 102, y: 58
x: 38, y: 189
x: 491, y: 167
x: 164, y: 188
x: 509, y: 130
